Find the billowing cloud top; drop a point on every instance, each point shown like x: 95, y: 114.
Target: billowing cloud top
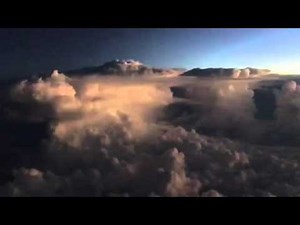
x: 125, y: 68
x: 227, y: 72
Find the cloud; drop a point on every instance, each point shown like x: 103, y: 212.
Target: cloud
x: 92, y: 104
x: 247, y: 110
x: 233, y: 73
x: 114, y: 136
x: 217, y: 107
x: 195, y: 165
x: 288, y: 110
x: 125, y: 68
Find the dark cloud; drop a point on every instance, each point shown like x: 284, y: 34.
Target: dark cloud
x: 227, y: 73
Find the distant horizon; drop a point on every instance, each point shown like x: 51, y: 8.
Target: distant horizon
x: 48, y: 73
x: 35, y: 50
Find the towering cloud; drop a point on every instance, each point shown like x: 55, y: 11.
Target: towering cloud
x: 148, y: 136
x: 130, y: 68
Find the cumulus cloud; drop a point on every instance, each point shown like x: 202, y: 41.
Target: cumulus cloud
x: 244, y: 73
x: 114, y: 136
x: 125, y: 68
x: 233, y: 73
x: 288, y: 110
x: 91, y: 105
x: 178, y: 163
x: 248, y: 110
x: 216, y: 106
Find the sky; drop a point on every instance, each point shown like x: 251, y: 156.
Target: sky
x: 41, y: 50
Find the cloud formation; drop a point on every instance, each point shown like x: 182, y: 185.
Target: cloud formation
x: 233, y: 73
x: 196, y: 165
x: 114, y: 136
x: 125, y: 68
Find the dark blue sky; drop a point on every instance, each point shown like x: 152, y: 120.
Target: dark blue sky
x: 30, y: 51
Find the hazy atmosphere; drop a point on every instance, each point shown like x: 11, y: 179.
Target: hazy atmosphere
x: 149, y: 112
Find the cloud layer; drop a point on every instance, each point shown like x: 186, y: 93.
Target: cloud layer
x: 113, y: 136
x: 233, y: 73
